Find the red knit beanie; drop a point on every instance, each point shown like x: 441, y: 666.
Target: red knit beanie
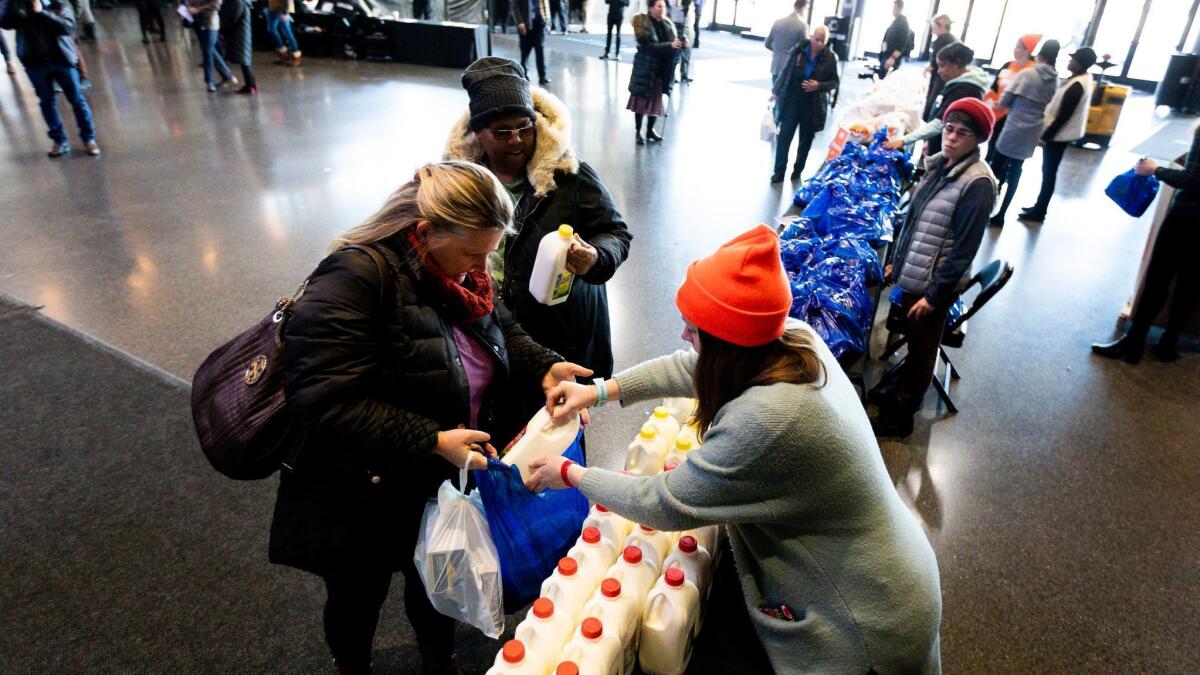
x: 976, y: 110
x: 739, y: 293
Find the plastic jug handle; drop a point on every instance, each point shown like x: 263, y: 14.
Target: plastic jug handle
x: 654, y: 609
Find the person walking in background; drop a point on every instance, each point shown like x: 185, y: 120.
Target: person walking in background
x: 942, y: 38
x: 558, y: 16
x: 47, y: 49
x: 897, y: 41
x: 239, y: 49
x: 1025, y: 99
x: 206, y: 19
x: 421, y: 10
x: 699, y: 7
x: 963, y: 80
x: 935, y: 247
x: 86, y: 20
x: 786, y: 33
x: 1170, y: 263
x: 8, y: 64
x: 531, y: 24
x: 1066, y: 121
x: 653, y: 69
x: 279, y: 29
x: 683, y: 30
x: 616, y: 18
x: 150, y: 19
x: 1022, y: 59
x: 802, y: 92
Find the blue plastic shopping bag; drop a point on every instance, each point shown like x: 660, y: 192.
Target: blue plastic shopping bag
x: 531, y: 531
x: 1133, y: 193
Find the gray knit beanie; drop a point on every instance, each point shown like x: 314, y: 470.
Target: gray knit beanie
x: 496, y: 87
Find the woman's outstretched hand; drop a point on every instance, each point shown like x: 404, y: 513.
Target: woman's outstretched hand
x: 456, y: 445
x: 570, y: 398
x: 545, y: 473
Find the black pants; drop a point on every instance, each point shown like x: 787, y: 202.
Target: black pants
x: 924, y: 339
x: 1052, y: 156
x: 150, y: 18
x: 789, y: 121
x: 696, y: 41
x: 728, y: 642
x: 557, y: 12
x: 685, y: 54
x: 996, y: 129
x: 420, y: 9
x: 614, y: 26
x: 1171, y: 261
x: 534, y: 40
x: 1008, y: 172
x: 353, y: 600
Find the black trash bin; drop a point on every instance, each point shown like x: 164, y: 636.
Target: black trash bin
x: 1179, y: 87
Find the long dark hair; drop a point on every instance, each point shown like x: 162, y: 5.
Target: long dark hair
x: 725, y: 370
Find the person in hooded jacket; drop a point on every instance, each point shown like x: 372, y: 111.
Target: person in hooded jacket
x: 963, y: 80
x: 1024, y: 101
x: 522, y: 134
x: 1023, y: 53
x: 402, y: 368
x: 811, y: 72
x: 653, y: 73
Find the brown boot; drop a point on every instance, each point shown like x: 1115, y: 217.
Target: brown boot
x: 281, y: 56
x: 296, y: 59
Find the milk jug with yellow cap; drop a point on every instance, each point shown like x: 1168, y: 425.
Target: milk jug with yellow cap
x: 550, y: 282
x: 667, y: 426
x: 647, y: 452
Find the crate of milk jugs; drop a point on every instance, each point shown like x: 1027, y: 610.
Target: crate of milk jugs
x: 625, y: 594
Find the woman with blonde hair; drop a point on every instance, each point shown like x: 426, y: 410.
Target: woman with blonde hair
x: 837, y: 574
x: 400, y: 374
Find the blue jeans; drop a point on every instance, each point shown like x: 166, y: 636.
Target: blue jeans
x: 67, y: 77
x: 210, y: 55
x: 279, y: 27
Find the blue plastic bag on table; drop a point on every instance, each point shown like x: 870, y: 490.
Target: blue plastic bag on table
x: 531, y: 531
x: 1133, y: 193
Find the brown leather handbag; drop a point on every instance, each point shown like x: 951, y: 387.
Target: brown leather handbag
x: 238, y: 403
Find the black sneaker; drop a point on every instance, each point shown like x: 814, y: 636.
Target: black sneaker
x: 59, y: 150
x: 1164, y: 351
x: 996, y: 220
x: 897, y: 426
x: 777, y: 178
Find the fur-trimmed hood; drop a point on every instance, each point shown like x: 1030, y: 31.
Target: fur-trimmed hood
x: 553, y: 152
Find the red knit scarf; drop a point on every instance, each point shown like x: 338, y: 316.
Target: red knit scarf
x: 467, y: 302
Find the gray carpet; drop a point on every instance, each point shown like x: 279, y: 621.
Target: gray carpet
x: 123, y: 550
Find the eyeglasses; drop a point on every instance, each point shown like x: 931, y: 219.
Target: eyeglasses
x: 962, y: 132
x: 508, y: 134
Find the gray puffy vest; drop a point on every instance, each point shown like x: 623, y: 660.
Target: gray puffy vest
x: 932, y: 234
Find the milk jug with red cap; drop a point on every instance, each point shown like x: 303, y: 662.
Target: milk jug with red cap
x: 619, y: 612
x: 669, y: 624
x: 636, y: 574
x: 696, y: 564
x: 611, y: 526
x: 514, y: 659
x: 655, y: 544
x: 594, y: 553
x: 594, y: 649
x: 544, y: 632
x: 567, y: 589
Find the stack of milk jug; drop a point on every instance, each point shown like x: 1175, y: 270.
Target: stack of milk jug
x: 625, y: 594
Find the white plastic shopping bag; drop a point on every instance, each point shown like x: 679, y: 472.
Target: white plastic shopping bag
x: 768, y: 129
x: 458, y: 562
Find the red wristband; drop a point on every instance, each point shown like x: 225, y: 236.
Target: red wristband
x: 562, y: 471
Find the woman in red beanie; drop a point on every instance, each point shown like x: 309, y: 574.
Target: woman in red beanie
x: 836, y: 572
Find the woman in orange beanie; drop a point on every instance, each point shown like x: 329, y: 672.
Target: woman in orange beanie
x: 1023, y: 53
x: 836, y: 573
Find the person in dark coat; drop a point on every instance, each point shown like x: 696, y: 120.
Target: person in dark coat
x: 897, y: 41
x: 522, y: 134
x: 239, y: 48
x: 616, y: 17
x: 942, y: 38
x: 150, y: 19
x: 653, y: 68
x: 530, y: 16
x: 802, y: 91
x: 400, y: 376
x: 1170, y: 264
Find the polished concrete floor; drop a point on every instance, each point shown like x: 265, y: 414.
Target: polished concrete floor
x: 1060, y: 500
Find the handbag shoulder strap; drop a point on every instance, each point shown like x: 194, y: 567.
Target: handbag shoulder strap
x: 380, y: 264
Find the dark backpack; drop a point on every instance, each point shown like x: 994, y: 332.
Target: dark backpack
x: 238, y: 404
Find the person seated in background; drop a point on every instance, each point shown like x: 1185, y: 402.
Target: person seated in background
x: 788, y: 465
x: 786, y: 33
x: 946, y: 220
x: 802, y: 96
x: 963, y: 80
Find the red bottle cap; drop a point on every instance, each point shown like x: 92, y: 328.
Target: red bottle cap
x: 610, y: 588
x: 670, y: 466
x: 591, y: 535
x: 633, y: 554
x: 592, y: 628
x: 543, y: 608
x: 601, y: 509
x: 567, y: 668
x: 687, y: 543
x: 514, y: 651
x: 567, y: 566
x: 647, y: 530
x: 674, y: 577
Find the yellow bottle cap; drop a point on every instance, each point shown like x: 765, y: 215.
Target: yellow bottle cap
x: 648, y: 432
x: 661, y: 413
x: 566, y: 231
x: 683, y: 444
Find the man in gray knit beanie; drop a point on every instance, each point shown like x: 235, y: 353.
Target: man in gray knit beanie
x: 497, y: 88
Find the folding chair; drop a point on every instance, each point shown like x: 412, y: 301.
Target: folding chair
x: 990, y: 280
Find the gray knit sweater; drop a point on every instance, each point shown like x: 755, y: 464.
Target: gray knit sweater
x: 813, y: 519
